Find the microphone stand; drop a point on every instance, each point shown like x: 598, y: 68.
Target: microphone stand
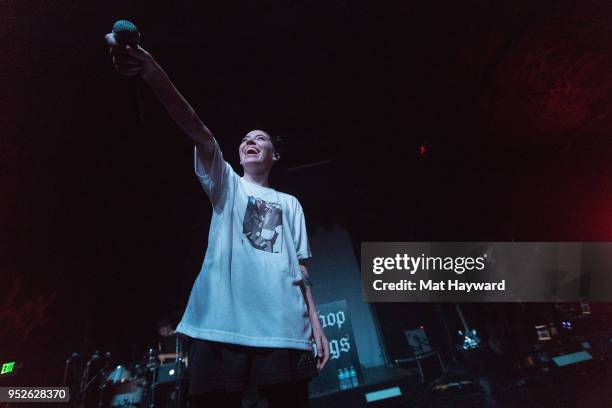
x: 70, y: 373
x: 179, y: 373
x: 67, y: 366
x: 152, y: 365
x: 104, y: 384
x: 84, y: 380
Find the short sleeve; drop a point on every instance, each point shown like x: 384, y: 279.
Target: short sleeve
x: 300, y: 235
x: 215, y: 182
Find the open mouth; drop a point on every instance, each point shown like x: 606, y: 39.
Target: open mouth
x: 251, y: 150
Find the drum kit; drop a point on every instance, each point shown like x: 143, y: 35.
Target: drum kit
x: 158, y: 381
x: 124, y: 387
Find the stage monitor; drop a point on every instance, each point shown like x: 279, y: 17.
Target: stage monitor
x: 572, y: 358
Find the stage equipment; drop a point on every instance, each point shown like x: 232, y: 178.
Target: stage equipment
x: 571, y: 358
x: 124, y: 386
x: 128, y: 393
x: 454, y: 385
x: 418, y: 341
x: 83, y: 399
x: 585, y: 308
x: 469, y: 337
x: 167, y: 383
x: 543, y: 332
x: 379, y: 387
x: 169, y: 373
x: 132, y: 385
x: 153, y: 386
x: 425, y: 368
x: 119, y: 375
x: 421, y: 352
x: 69, y: 360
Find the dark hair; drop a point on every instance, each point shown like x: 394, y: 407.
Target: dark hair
x: 278, y: 142
x: 164, y: 321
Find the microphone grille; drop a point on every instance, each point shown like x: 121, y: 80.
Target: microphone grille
x: 126, y: 32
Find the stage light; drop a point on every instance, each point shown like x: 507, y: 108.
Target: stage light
x: 425, y: 150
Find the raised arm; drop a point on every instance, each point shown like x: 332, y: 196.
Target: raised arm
x: 135, y: 61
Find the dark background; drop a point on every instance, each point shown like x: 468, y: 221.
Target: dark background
x: 103, y: 225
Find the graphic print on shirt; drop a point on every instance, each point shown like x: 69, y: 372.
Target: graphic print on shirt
x: 263, y: 225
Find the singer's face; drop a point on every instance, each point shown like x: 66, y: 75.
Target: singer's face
x: 257, y: 150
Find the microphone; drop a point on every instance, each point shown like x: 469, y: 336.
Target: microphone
x: 126, y: 33
x: 104, y: 368
x: 72, y: 357
x: 96, y: 356
x: 69, y: 361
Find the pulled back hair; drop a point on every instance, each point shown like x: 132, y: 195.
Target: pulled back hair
x: 277, y: 141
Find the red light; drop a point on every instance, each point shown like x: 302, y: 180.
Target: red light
x: 424, y: 150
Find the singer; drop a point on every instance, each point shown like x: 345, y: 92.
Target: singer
x: 251, y: 312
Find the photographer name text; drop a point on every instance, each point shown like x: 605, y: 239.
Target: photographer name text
x: 435, y: 286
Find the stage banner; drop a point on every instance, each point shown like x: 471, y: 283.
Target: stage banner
x: 486, y: 271
x: 343, y: 369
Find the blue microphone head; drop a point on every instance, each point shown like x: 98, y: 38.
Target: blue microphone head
x: 126, y: 33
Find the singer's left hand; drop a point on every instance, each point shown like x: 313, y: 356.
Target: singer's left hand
x: 320, y: 340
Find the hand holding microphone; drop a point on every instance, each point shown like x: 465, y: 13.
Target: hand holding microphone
x: 129, y: 58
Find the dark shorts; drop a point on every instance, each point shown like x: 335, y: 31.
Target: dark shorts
x: 230, y: 367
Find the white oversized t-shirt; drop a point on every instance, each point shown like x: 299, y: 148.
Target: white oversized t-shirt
x: 248, y: 289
